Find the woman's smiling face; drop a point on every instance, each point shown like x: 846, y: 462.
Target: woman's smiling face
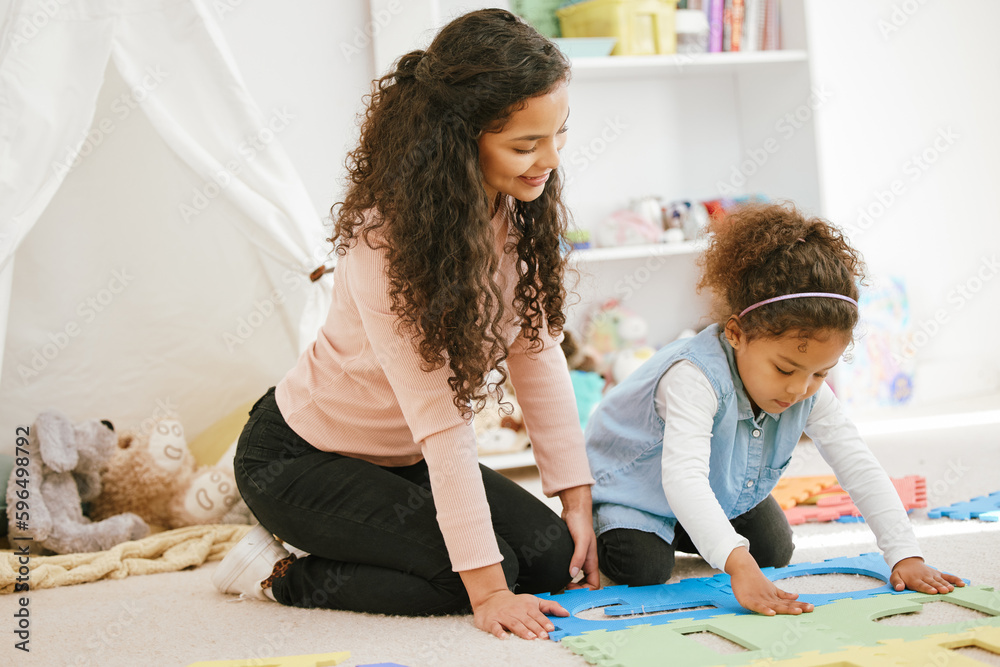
x: 519, y: 159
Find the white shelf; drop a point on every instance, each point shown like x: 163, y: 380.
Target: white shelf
x: 522, y: 459
x: 637, y: 251
x: 695, y: 64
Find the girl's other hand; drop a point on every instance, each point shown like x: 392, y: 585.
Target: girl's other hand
x: 912, y: 573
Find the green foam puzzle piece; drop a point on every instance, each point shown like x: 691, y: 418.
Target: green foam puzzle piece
x: 828, y: 628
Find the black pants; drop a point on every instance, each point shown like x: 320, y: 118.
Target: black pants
x: 372, y: 532
x: 638, y: 558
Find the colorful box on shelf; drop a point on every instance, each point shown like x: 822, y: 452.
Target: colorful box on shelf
x: 642, y: 27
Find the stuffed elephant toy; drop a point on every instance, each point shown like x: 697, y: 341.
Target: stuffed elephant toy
x: 63, y: 472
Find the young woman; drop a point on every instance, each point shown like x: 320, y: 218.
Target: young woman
x: 449, y: 267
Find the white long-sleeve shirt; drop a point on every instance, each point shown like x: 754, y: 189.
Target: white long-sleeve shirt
x: 686, y: 402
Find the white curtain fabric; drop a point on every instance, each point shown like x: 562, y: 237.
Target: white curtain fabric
x: 155, y: 240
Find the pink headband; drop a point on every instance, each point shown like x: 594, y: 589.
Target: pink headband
x: 798, y: 296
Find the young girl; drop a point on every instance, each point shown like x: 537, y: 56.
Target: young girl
x: 686, y: 451
x: 364, y: 456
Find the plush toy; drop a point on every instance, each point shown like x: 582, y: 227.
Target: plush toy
x: 498, y: 432
x: 155, y: 476
x: 612, y: 330
x: 63, y: 463
x: 579, y: 355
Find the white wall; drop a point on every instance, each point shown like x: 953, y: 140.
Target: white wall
x: 908, y: 149
x: 315, y: 60
x: 901, y: 73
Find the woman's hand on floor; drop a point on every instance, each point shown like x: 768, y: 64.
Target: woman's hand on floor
x: 578, y: 515
x: 756, y: 592
x: 913, y: 574
x: 522, y: 615
x: 498, y: 611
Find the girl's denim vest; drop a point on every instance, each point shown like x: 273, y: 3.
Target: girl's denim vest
x: 625, y: 441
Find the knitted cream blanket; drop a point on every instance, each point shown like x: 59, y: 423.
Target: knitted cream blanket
x: 168, y: 551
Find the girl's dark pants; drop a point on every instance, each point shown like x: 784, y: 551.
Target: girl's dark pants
x: 372, y: 532
x: 638, y: 558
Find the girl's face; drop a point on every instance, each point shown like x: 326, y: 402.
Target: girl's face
x: 779, y: 372
x: 518, y: 160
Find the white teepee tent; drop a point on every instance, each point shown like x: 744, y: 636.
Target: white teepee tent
x: 155, y: 240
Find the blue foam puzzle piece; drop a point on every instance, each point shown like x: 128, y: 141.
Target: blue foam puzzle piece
x: 714, y: 592
x: 970, y: 509
x: 847, y: 518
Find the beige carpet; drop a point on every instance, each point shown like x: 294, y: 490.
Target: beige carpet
x: 175, y: 619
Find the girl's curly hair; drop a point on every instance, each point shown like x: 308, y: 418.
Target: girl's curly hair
x: 761, y: 251
x: 417, y: 164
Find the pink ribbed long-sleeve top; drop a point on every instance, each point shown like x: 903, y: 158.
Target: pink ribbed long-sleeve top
x: 359, y: 390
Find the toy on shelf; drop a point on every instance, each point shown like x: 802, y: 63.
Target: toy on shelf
x: 719, y: 208
x: 500, y: 425
x: 626, y: 227
x: 588, y: 384
x: 984, y: 508
x: 617, y: 337
x: 64, y: 461
x: 690, y: 217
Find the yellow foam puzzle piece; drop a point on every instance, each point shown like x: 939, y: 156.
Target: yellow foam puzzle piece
x: 790, y: 491
x: 933, y: 650
x: 314, y: 660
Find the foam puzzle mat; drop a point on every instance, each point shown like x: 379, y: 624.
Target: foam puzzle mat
x: 830, y: 629
x: 985, y: 508
x: 713, y: 592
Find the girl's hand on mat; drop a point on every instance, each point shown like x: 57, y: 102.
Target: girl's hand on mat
x: 756, y: 592
x: 913, y: 574
x: 523, y: 615
x: 578, y: 515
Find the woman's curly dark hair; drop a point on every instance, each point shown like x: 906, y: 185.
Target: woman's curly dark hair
x: 417, y: 164
x: 761, y: 251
